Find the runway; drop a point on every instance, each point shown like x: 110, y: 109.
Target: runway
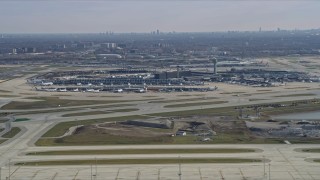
x: 285, y: 163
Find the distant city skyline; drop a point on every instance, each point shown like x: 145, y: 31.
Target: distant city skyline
x: 147, y: 16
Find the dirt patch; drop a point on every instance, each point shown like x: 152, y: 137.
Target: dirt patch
x: 207, y: 126
x: 288, y: 129
x: 118, y: 129
x: 215, y: 124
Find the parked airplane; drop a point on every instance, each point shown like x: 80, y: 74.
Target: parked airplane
x: 118, y: 91
x: 47, y: 83
x: 62, y: 90
x: 93, y: 90
x: 50, y: 89
x: 140, y: 91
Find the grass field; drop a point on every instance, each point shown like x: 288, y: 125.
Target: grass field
x: 256, y: 93
x: 51, y: 102
x: 236, y: 137
x: 194, y: 104
x: 99, y: 112
x: 142, y: 151
x: 110, y: 96
x: 205, y: 111
x: 101, y: 139
x: 183, y: 100
x: 28, y: 93
x: 59, y: 95
x: 48, y: 111
x: 22, y: 119
x: 14, y: 131
x: 296, y: 95
x: 86, y: 113
x: 2, y: 140
x: 311, y: 150
x: 304, y: 140
x: 231, y: 111
x: 186, y: 95
x: 297, y: 87
x: 141, y: 161
x: 264, y: 90
x: 4, y: 91
x: 125, y: 110
x: 313, y: 89
x: 239, y: 92
x: 256, y: 99
x: 296, y: 109
x: 110, y: 106
x: 7, y: 95
x: 72, y: 109
x: 3, y: 120
x: 61, y: 128
x: 107, y: 139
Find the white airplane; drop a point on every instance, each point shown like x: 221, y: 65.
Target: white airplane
x: 51, y: 89
x: 118, y: 91
x: 90, y: 90
x: 76, y: 90
x: 141, y: 91
x: 62, y: 90
x: 93, y: 90
x: 47, y: 83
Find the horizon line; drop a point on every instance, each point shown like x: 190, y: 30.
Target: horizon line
x: 165, y: 32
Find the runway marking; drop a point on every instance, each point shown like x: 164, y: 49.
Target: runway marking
x: 220, y: 172
x: 311, y: 176
x: 26, y: 135
x: 243, y: 177
x: 289, y: 162
x: 159, y: 173
x: 117, y: 174
x: 200, y: 173
x: 291, y: 175
x: 138, y: 175
x: 75, y: 176
x: 54, y: 176
x: 15, y: 171
x: 35, y: 174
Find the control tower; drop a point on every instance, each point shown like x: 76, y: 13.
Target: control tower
x: 215, y: 62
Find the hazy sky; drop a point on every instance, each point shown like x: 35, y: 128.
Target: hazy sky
x: 58, y: 16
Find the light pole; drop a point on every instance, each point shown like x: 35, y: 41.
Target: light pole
x: 159, y: 170
x: 179, y: 174
x: 200, y: 173
x: 95, y: 177
x: 9, y: 170
x: 269, y: 172
x: 118, y: 174
x: 138, y: 175
x: 91, y: 171
x: 264, y: 167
